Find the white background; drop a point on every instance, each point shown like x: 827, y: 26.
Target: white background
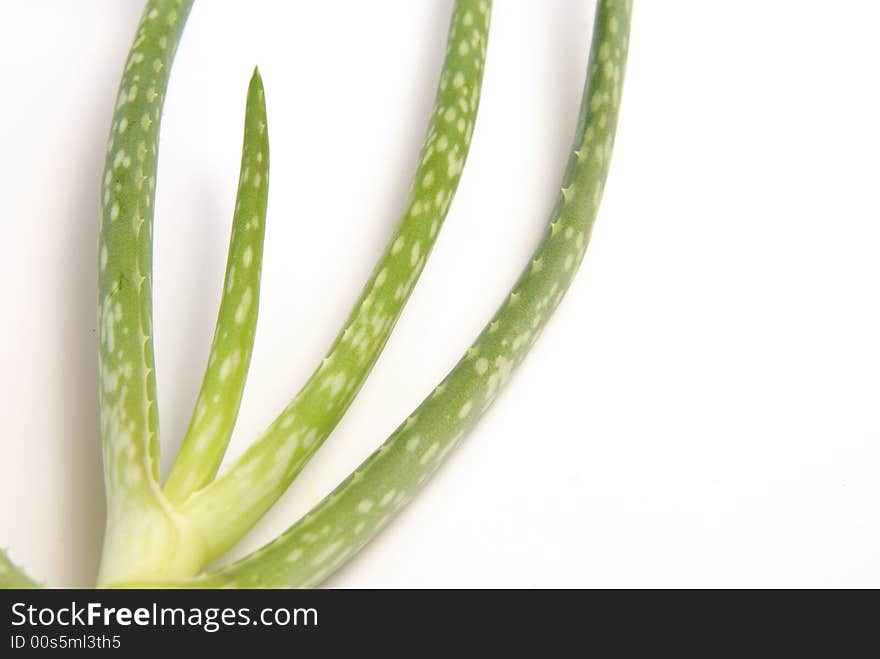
x: 701, y: 411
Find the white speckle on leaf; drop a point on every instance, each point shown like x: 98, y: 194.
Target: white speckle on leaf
x: 243, y: 306
x: 427, y: 455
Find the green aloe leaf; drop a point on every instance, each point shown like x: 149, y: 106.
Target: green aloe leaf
x: 220, y: 395
x: 367, y: 500
x: 129, y: 416
x: 225, y: 509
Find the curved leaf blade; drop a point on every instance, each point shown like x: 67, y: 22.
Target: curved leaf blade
x: 143, y: 532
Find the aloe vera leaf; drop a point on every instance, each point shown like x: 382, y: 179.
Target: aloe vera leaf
x: 343, y: 522
x: 229, y: 506
x: 136, y: 508
x: 219, y: 398
x: 12, y: 576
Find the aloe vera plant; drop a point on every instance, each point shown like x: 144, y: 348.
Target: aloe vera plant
x: 166, y: 534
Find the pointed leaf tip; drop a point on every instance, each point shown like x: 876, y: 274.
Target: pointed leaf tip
x: 256, y: 83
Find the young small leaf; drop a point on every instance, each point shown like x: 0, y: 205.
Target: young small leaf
x: 220, y: 396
